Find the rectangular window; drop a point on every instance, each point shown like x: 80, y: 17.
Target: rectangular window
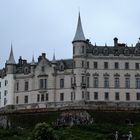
x: 61, y: 83
x: 106, y: 82
x: 0, y: 84
x: 26, y: 85
x: 117, y: 96
x: 5, y: 101
x: 83, y: 95
x: 88, y: 96
x: 72, y: 96
x: 117, y: 83
x: 138, y: 83
x: 127, y: 82
x: 127, y: 96
x: 73, y: 49
x: 137, y: 66
x: 16, y: 99
x: 95, y: 65
x: 38, y: 97
x: 6, y: 82
x: 95, y: 82
x: 42, y: 68
x: 95, y: 95
x: 82, y: 64
x: 17, y: 86
x: 47, y: 96
x: 88, y: 82
x: 126, y: 65
x: 5, y: 92
x: 105, y: 65
x: 42, y: 97
x: 88, y: 65
x: 116, y: 65
x: 26, y: 99
x: 43, y: 83
x: 106, y: 96
x: 0, y: 95
x: 61, y: 96
x: 138, y: 96
x: 83, y: 79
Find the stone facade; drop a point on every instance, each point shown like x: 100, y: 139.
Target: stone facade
x: 109, y: 75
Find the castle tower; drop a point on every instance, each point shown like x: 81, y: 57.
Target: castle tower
x: 10, y: 63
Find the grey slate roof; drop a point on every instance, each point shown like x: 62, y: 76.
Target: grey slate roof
x: 11, y: 59
x: 79, y: 35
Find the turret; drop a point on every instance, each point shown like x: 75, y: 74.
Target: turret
x: 33, y: 64
x: 10, y: 63
x: 79, y: 41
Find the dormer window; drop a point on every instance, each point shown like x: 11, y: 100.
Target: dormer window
x: 42, y: 69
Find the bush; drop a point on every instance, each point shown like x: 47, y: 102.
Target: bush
x: 43, y: 131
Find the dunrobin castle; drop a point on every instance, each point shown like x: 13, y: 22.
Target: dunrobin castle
x: 96, y: 77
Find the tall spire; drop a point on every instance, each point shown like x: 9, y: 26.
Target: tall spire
x: 79, y: 35
x: 54, y: 60
x: 11, y: 59
x: 33, y: 61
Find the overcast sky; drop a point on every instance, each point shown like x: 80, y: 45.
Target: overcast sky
x: 37, y: 26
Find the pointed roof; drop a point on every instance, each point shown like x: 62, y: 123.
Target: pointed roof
x: 33, y: 61
x: 54, y: 60
x: 79, y: 35
x: 11, y: 59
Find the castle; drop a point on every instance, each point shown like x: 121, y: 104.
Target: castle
x: 95, y: 76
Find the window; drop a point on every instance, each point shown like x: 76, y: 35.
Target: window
x: 5, y: 92
x: 83, y: 79
x: 88, y: 65
x: 0, y: 95
x: 138, y: 96
x: 88, y: 96
x: 26, y: 85
x: 105, y: 65
x: 43, y: 83
x: 106, y: 96
x: 137, y: 66
x: 95, y: 82
x: 61, y: 96
x: 127, y: 82
x: 42, y: 68
x: 88, y: 82
x: 117, y: 83
x: 138, y: 83
x: 95, y: 95
x: 5, y: 101
x: 116, y: 65
x: 6, y: 82
x: 73, y: 49
x: 17, y: 86
x: 61, y: 83
x: 16, y: 99
x: 95, y: 65
x: 106, y: 82
x: 82, y: 49
x: 82, y: 64
x: 127, y: 96
x: 0, y: 84
x: 38, y: 97
x: 72, y: 96
x: 42, y: 97
x: 83, y: 95
x: 126, y: 65
x: 117, y: 96
x: 47, y: 96
x: 26, y: 99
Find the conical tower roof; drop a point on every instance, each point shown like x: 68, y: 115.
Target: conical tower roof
x: 11, y: 59
x: 33, y: 61
x: 79, y: 35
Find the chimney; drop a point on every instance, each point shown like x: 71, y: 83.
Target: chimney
x: 115, y: 42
